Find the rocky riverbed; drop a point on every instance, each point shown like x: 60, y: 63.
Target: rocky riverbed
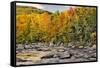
x: 47, y: 54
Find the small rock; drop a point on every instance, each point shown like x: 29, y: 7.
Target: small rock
x: 55, y: 56
x: 47, y: 56
x: 92, y: 59
x: 51, y: 60
x: 19, y: 46
x: 94, y: 55
x: 80, y: 60
x: 70, y: 44
x: 43, y: 49
x: 61, y: 50
x: 26, y: 46
x: 81, y: 47
x: 22, y: 60
x: 64, y: 55
x: 73, y: 47
x: 86, y: 56
x: 94, y: 46
x: 90, y: 51
x: 78, y: 55
x: 34, y: 43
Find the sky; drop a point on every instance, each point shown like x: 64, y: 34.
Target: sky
x: 50, y: 8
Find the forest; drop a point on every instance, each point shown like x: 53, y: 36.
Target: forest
x: 76, y: 24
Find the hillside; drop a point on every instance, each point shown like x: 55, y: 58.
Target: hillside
x: 29, y: 10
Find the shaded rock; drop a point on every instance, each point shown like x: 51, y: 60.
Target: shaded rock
x: 94, y: 55
x: 43, y: 49
x: 60, y: 43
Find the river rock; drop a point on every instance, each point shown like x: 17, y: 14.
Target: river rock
x: 47, y: 56
x: 64, y: 55
x: 51, y: 60
x: 94, y: 46
x: 43, y: 49
x: 34, y: 43
x: 61, y: 50
x: 70, y: 44
x: 78, y: 55
x: 81, y: 47
x: 93, y: 55
x: 27, y: 46
x: 22, y: 60
x: 55, y: 56
x: 86, y: 56
x: 19, y: 46
x: 92, y: 59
